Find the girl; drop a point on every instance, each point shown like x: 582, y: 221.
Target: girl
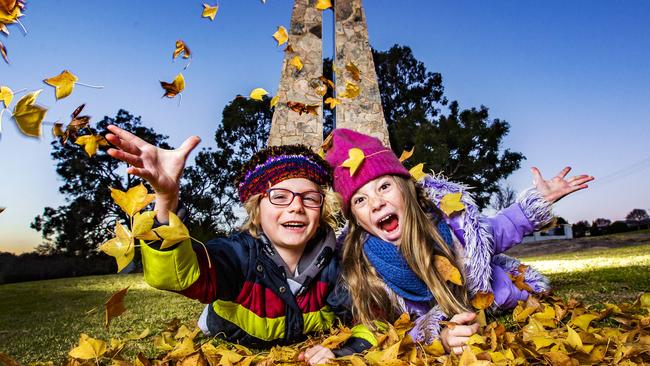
x: 273, y: 282
x: 396, y: 229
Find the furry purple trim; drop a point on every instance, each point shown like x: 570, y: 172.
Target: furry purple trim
x: 537, y: 281
x: 538, y: 210
x: 477, y: 237
x: 427, y: 327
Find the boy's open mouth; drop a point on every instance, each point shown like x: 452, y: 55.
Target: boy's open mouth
x: 294, y: 225
x: 388, y: 223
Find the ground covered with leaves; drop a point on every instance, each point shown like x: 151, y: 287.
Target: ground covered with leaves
x: 587, y: 323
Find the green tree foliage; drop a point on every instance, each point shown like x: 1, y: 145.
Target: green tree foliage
x: 88, y: 217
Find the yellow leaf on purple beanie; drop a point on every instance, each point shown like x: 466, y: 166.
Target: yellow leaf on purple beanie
x: 417, y: 172
x: 356, y: 157
x: 451, y: 203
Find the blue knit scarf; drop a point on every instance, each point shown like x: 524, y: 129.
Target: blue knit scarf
x: 393, y: 269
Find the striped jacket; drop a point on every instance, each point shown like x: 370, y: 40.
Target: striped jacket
x: 252, y: 302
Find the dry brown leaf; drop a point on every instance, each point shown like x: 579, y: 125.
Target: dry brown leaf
x: 176, y: 86
x: 301, y: 108
x: 447, y: 271
x: 181, y: 49
x: 114, y: 306
x: 3, y: 52
x: 482, y: 300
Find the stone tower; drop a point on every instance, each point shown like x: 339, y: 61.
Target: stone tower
x: 362, y: 113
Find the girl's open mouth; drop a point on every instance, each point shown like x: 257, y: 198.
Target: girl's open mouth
x: 388, y: 223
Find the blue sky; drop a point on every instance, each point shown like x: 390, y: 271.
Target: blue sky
x: 571, y: 78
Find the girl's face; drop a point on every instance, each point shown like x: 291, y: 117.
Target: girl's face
x: 290, y: 227
x: 378, y: 207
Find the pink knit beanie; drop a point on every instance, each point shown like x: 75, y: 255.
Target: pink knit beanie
x: 377, y: 160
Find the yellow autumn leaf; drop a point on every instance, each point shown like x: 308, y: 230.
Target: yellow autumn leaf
x: 258, y: 93
x: 482, y: 300
x: 573, y: 339
x: 296, y: 62
x: 352, y: 90
x: 142, y: 224
x: 521, y: 312
x: 354, y: 160
x: 173, y: 233
x: 121, y: 247
x: 333, y: 102
x: 91, y: 143
x: 29, y: 116
x: 417, y: 172
x: 447, y: 271
x: 6, y: 95
x: 406, y: 154
x: 468, y: 358
x: 181, y: 48
x: 546, y: 317
x: 583, y: 321
x: 209, y: 11
x: 274, y: 101
x: 63, y: 83
x: 323, y: 4
x: 337, y: 339
x: 450, y: 203
x: 353, y: 70
x: 133, y: 200
x: 542, y: 341
x: 176, y: 86
x: 644, y: 300
x: 114, y: 306
x: 281, y: 35
x: 88, y: 348
x: 435, y: 349
x: 182, y: 349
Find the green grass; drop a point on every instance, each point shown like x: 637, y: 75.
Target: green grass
x: 597, y: 275
x: 42, y: 320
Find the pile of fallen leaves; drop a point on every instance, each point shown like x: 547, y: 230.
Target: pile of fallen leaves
x: 547, y: 331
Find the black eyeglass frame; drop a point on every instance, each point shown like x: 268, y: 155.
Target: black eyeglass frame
x: 294, y: 194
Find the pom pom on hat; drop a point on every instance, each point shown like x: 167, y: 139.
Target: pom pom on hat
x: 376, y: 161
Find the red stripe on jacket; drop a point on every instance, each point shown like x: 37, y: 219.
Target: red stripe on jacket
x: 260, y: 300
x: 314, y: 299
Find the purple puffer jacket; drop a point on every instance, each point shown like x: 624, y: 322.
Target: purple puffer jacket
x: 481, y: 241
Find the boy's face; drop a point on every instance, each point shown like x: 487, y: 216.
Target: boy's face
x: 293, y: 226
x: 378, y: 207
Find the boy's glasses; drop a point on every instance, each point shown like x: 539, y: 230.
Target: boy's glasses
x: 283, y: 197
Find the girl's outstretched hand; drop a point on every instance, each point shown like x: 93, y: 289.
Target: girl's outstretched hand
x: 161, y: 168
x: 557, y: 187
x: 455, y: 339
x: 316, y: 355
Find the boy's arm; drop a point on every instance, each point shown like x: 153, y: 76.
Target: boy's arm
x: 362, y: 338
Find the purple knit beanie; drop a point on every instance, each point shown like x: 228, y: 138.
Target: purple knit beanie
x: 378, y: 160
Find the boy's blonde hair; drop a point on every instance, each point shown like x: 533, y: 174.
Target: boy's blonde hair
x: 419, y: 243
x: 328, y: 212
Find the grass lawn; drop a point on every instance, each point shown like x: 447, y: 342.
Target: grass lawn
x: 42, y: 320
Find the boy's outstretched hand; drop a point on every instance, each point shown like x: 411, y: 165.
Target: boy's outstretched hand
x: 557, y: 187
x: 161, y: 168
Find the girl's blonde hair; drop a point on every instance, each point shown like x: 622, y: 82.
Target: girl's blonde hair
x: 328, y: 213
x: 419, y: 243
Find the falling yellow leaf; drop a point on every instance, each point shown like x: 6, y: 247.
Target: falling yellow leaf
x: 323, y: 4
x: 450, y: 203
x: 274, y: 101
x: 63, y: 83
x: 181, y: 48
x: 114, y: 306
x: 482, y: 300
x: 447, y: 271
x: 142, y: 224
x: 333, y: 102
x: 354, y: 160
x: 175, y: 87
x: 352, y: 90
x: 353, y: 70
x: 258, y: 93
x: 29, y: 116
x: 406, y: 154
x: 417, y: 172
x: 6, y: 95
x: 296, y: 62
x: 281, y: 35
x: 121, y: 247
x: 209, y: 11
x: 133, y: 200
x: 91, y: 143
x: 88, y: 348
x: 173, y: 233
